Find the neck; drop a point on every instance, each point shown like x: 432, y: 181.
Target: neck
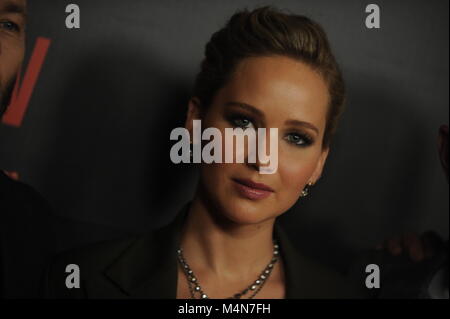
x: 225, y: 249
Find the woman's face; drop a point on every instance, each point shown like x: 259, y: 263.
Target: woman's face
x: 266, y: 92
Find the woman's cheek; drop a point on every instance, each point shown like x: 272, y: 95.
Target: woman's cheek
x: 295, y: 172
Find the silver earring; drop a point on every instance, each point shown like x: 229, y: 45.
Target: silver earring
x: 305, y: 191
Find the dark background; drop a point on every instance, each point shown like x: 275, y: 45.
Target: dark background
x: 95, y: 139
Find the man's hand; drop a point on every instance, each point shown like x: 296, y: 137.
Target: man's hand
x: 417, y: 247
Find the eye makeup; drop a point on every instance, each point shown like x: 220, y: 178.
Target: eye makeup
x: 299, y: 139
x: 294, y: 136
x: 240, y: 121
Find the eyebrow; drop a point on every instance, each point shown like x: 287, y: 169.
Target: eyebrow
x: 11, y: 7
x: 247, y: 107
x: 259, y: 113
x: 302, y: 123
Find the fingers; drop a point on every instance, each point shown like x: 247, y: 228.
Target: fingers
x: 432, y: 243
x: 417, y: 247
x: 394, y: 246
x: 414, y: 246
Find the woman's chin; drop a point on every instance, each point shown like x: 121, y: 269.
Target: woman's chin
x: 245, y: 212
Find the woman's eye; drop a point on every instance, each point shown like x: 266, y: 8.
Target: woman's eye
x: 9, y: 26
x: 298, y: 139
x: 242, y: 122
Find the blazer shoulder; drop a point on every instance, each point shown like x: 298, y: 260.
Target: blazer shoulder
x: 96, y: 255
x: 113, y: 268
x: 19, y: 200
x: 334, y: 284
x: 89, y: 261
x: 308, y: 278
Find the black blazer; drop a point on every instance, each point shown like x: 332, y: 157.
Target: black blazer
x: 146, y: 267
x: 26, y: 239
x: 30, y: 235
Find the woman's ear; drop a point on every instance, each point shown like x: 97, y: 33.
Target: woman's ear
x: 193, y: 113
x: 319, y: 167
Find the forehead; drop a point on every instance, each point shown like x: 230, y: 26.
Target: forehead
x: 280, y: 86
x: 13, y: 6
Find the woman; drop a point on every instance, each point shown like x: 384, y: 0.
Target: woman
x: 264, y: 69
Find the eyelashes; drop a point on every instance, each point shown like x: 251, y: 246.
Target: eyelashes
x: 240, y: 121
x: 295, y: 138
x: 299, y: 139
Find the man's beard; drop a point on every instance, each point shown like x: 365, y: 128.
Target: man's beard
x: 5, y: 95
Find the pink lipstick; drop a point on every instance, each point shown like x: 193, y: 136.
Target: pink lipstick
x: 252, y: 190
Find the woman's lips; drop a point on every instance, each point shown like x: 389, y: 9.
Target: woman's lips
x: 252, y: 190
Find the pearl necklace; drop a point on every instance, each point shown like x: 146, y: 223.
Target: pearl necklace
x: 256, y: 286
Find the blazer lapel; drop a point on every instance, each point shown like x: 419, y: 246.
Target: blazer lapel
x: 295, y: 280
x: 305, y: 278
x: 148, y: 268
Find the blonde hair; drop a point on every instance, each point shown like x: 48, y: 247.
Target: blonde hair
x: 264, y: 32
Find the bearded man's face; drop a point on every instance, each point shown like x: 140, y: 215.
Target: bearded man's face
x: 12, y: 46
